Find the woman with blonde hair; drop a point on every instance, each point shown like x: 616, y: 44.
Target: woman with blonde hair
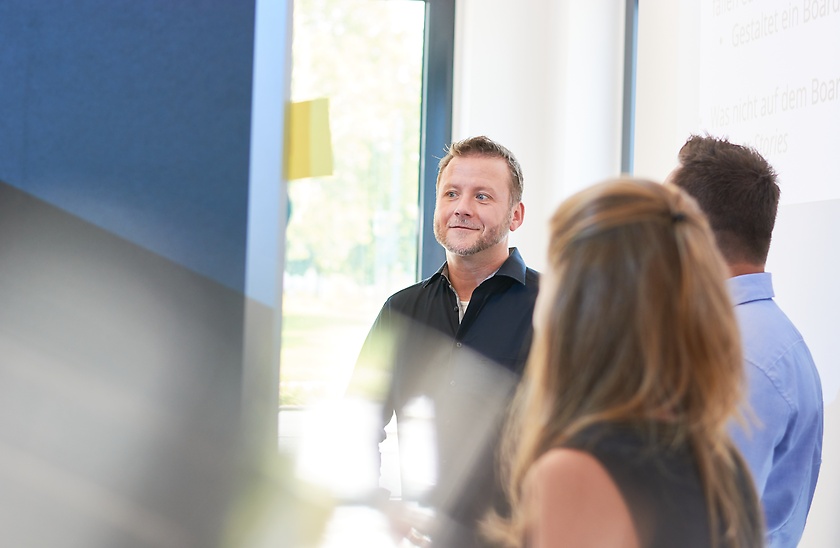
x: 618, y: 434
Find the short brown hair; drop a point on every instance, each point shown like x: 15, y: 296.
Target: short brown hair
x: 488, y: 148
x: 736, y: 189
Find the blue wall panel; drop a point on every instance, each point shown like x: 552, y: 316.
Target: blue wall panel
x: 134, y: 116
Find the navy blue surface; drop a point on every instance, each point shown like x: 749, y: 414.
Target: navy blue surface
x: 134, y: 116
x: 438, y: 75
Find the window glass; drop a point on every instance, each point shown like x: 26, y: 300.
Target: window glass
x: 352, y: 236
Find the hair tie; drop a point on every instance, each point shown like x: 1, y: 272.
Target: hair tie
x: 678, y: 217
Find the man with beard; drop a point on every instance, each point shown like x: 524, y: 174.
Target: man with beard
x: 459, y: 339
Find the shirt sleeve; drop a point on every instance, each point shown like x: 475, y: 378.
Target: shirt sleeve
x: 767, y: 415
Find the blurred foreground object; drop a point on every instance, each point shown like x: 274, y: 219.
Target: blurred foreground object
x: 446, y: 434
x: 618, y: 435
x: 120, y: 377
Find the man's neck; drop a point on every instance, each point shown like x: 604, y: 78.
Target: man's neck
x: 740, y: 269
x: 467, y: 272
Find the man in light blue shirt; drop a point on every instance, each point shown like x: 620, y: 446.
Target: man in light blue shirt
x: 782, y: 444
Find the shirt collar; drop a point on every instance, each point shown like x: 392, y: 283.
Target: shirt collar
x: 514, y: 267
x: 750, y: 287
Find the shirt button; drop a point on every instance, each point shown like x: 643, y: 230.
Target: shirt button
x: 451, y: 383
x: 459, y: 345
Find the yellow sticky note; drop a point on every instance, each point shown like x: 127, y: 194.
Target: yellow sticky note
x: 308, y: 142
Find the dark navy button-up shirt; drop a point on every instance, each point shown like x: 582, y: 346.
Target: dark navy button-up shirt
x: 466, y: 369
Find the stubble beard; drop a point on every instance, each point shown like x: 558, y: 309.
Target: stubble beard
x: 485, y: 241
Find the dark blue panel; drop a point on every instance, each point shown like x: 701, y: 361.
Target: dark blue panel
x: 134, y: 116
x: 437, y: 121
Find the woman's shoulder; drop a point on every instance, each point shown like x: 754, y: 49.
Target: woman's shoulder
x: 570, y: 475
x: 559, y: 462
x: 572, y: 493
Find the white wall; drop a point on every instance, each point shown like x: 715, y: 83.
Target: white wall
x: 690, y: 61
x: 664, y: 83
x: 545, y: 80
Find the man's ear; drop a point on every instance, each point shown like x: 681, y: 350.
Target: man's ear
x: 517, y: 217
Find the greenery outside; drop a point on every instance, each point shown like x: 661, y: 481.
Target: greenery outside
x: 352, y: 236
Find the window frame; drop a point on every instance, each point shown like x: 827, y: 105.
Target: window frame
x: 628, y: 126
x: 435, y: 123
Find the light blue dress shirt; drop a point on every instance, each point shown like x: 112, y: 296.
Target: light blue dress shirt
x: 783, y: 443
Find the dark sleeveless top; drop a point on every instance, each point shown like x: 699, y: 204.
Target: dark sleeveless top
x: 660, y: 487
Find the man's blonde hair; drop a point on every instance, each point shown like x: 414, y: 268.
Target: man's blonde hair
x: 487, y: 148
